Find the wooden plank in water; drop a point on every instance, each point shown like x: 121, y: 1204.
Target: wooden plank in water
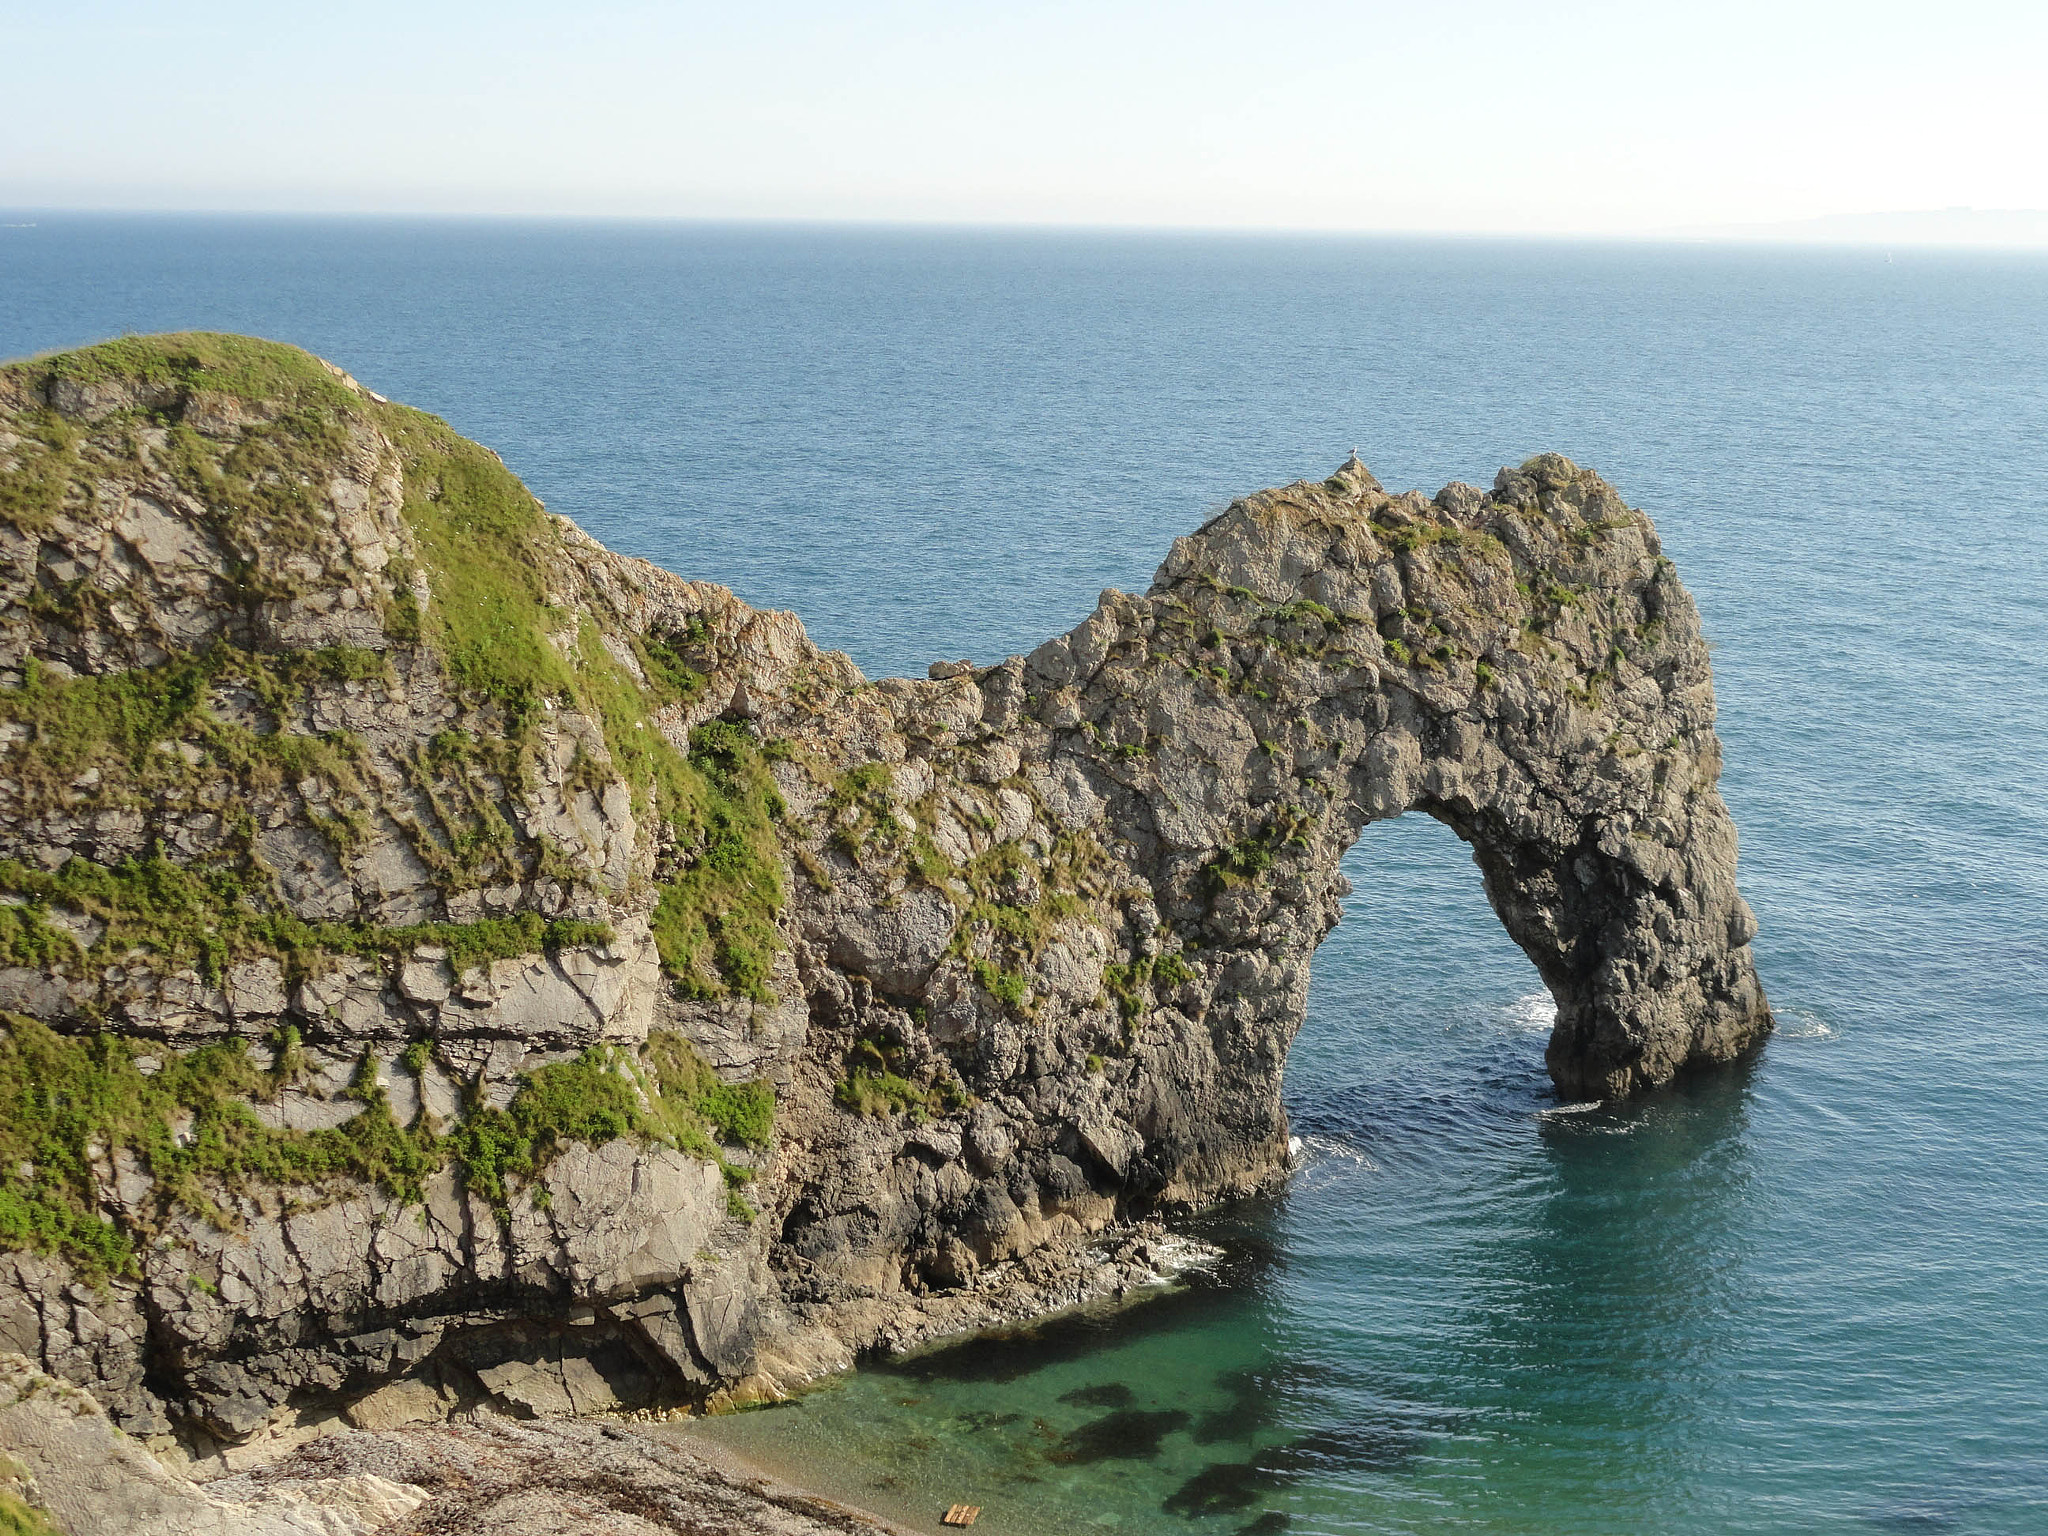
x: 962, y: 1514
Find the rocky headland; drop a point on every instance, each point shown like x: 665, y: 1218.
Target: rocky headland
x: 447, y: 964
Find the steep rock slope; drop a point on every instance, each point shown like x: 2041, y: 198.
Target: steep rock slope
x: 444, y: 960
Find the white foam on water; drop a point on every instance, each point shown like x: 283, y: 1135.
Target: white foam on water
x: 1170, y: 1256
x: 1311, y: 1151
x: 1537, y: 1012
x: 1799, y: 1024
x: 1584, y: 1108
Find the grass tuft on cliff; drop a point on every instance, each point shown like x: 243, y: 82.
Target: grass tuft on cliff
x: 20, y: 1518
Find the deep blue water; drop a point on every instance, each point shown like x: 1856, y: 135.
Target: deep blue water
x: 1811, y: 1294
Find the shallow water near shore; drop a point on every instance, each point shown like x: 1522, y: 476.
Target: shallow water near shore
x: 1808, y: 1294
x: 1478, y: 1308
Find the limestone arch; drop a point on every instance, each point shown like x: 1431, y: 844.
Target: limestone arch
x: 1521, y: 665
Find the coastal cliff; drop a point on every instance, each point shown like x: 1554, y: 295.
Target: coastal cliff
x: 444, y: 961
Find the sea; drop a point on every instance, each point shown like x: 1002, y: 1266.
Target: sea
x: 1809, y: 1293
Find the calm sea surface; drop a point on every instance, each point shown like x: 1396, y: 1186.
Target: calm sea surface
x: 1811, y: 1295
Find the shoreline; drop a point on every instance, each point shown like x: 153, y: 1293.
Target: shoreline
x: 483, y: 1475
x: 912, y: 1511
x: 460, y: 1472
x: 777, y: 1484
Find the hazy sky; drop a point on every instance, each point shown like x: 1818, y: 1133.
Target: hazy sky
x: 1444, y: 116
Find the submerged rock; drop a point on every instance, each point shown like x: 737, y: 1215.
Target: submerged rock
x: 509, y: 972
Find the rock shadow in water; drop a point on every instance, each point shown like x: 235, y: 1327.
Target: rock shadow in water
x: 1255, y: 1397
x: 1346, y: 1448
x: 1250, y: 1409
x: 1221, y: 1488
x: 1199, y: 1296
x: 1129, y: 1435
x: 1229, y: 1487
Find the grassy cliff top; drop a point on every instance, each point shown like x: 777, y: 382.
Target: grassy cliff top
x: 211, y: 362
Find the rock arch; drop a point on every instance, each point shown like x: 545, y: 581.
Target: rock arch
x: 1030, y: 966
x: 1521, y: 665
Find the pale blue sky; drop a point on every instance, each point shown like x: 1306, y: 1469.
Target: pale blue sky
x: 1469, y: 115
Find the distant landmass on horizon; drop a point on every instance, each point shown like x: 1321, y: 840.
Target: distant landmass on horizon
x: 2000, y: 227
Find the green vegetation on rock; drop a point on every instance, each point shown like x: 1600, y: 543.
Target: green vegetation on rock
x: 70, y: 1106
x: 204, y: 362
x: 210, y: 917
x: 585, y: 1099
x: 1130, y: 985
x: 1245, y: 860
x: 876, y: 1084
x: 716, y: 917
x: 34, y: 486
x: 860, y: 811
x: 128, y: 726
x: 670, y: 1096
x: 208, y: 742
x: 485, y: 542
x: 18, y: 1518
x: 690, y: 1096
x: 1014, y: 906
x: 1007, y: 987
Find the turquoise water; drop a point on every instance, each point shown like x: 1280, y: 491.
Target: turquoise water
x: 1808, y: 1295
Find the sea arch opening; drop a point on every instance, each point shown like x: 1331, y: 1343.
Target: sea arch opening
x: 1419, y: 995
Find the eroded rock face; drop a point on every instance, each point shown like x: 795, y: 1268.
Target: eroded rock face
x: 1037, y: 941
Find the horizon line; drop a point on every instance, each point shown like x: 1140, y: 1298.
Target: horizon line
x: 1810, y: 232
